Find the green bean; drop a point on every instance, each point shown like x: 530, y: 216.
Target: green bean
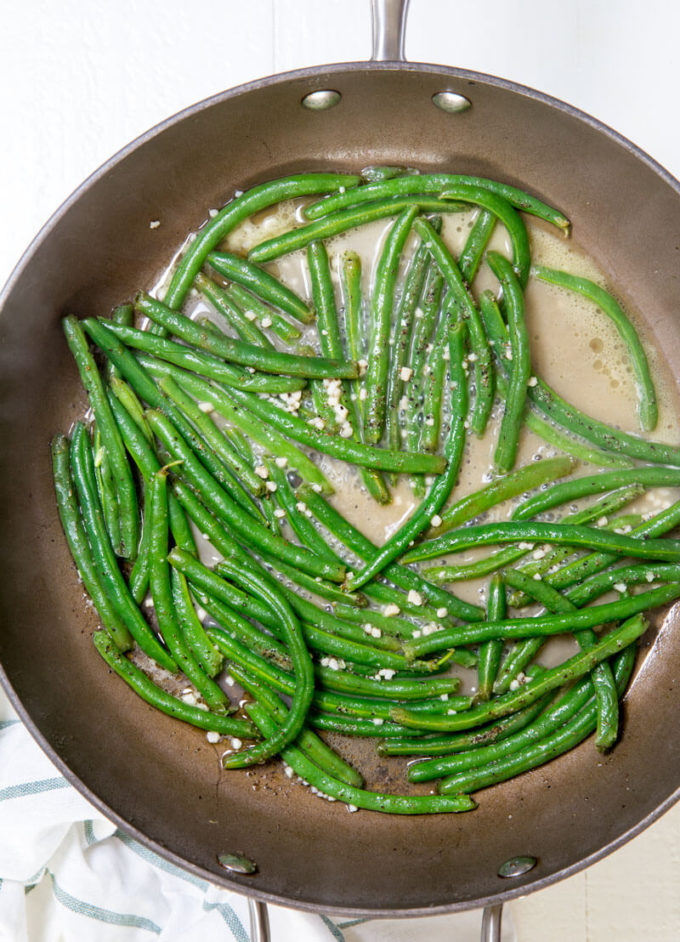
x: 269, y: 318
x: 315, y: 585
x: 601, y: 582
x: 204, y: 364
x: 558, y: 742
x: 450, y: 743
x: 552, y: 719
x: 490, y: 652
x: 419, y: 358
x: 127, y: 397
x: 226, y: 305
x: 331, y: 346
x: 435, y: 183
x: 556, y: 716
x: 602, y: 679
x: 405, y: 578
x: 241, y: 630
x: 510, y: 485
x: 359, y: 215
x: 357, y: 726
x: 261, y: 283
x: 165, y: 702
x: 219, y: 501
x: 208, y: 581
x: 259, y: 432
x: 102, y: 552
x: 647, y: 405
x: 308, y: 742
x: 570, y: 670
x: 595, y: 484
x: 661, y: 523
x: 575, y: 446
x: 69, y: 514
x: 139, y: 448
x: 343, y: 448
x: 139, y: 378
x: 236, y: 351
x: 314, y: 616
x: 193, y: 631
x: 351, y: 283
x: 382, y: 306
x: 405, y: 688
x: 376, y: 173
x: 389, y: 624
x: 434, y: 384
x: 443, y: 484
x: 544, y: 624
x: 257, y: 198
x: 403, y: 330
x: 610, y: 504
x: 507, y: 531
x: 356, y: 797
x: 225, y: 461
x: 106, y: 488
x: 138, y: 580
x: 280, y: 677
x: 301, y: 525
x: 120, y: 469
x: 161, y: 594
x: 519, y: 353
x: 123, y: 314
x: 464, y: 303
x: 336, y: 223
x: 471, y: 256
x: 269, y: 594
x: 237, y: 470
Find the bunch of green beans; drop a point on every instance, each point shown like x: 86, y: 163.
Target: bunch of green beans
x: 199, y: 505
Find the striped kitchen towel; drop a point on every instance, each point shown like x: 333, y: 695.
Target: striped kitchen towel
x: 67, y: 873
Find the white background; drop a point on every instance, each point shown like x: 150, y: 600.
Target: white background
x: 79, y: 80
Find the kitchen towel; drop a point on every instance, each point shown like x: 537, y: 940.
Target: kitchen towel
x: 67, y: 873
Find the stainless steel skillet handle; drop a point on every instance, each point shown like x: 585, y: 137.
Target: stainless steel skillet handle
x: 389, y: 30
x: 259, y: 920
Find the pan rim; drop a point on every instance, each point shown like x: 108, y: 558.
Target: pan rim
x: 317, y: 72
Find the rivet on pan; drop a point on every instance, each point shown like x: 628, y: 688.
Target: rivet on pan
x: 451, y: 102
x: 517, y: 866
x: 321, y: 100
x: 237, y: 863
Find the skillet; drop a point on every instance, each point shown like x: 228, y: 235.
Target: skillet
x: 370, y: 864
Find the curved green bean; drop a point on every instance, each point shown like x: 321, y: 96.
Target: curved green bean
x: 435, y: 183
x: 345, y: 449
x: 647, y: 405
x: 350, y: 218
x: 120, y: 469
x: 357, y: 797
x: 520, y: 481
x: 69, y: 514
x: 165, y: 702
x: 570, y: 670
x: 257, y: 198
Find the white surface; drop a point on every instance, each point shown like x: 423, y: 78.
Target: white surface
x: 79, y: 80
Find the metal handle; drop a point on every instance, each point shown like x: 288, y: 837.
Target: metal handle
x: 259, y: 920
x: 492, y: 918
x: 389, y: 29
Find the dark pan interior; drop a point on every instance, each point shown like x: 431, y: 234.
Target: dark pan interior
x: 160, y: 779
